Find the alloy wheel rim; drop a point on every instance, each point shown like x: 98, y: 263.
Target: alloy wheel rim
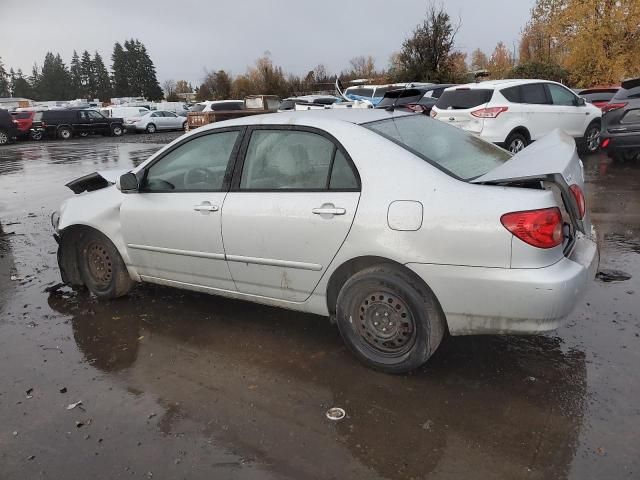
x: 100, y: 264
x: 593, y: 140
x: 4, y: 138
x: 385, y: 324
x: 117, y: 131
x: 516, y: 145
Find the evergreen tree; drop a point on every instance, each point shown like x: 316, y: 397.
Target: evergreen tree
x: 88, y: 76
x: 34, y: 82
x: 120, y: 76
x: 75, y: 71
x: 4, y: 81
x: 103, y: 83
x: 54, y: 81
x: 21, y: 87
x: 150, y: 87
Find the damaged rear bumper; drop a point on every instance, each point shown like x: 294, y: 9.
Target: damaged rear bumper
x: 479, y: 300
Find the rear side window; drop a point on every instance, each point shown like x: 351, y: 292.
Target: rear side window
x: 21, y: 115
x: 534, y: 93
x: 632, y: 116
x: 512, y: 94
x: 463, y: 98
x: 342, y: 176
x: 448, y: 148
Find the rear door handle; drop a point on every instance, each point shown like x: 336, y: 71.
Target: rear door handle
x: 328, y: 209
x: 205, y: 207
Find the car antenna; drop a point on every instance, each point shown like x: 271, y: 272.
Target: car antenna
x: 392, y: 107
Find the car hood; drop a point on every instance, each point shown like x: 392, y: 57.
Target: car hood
x: 96, y: 180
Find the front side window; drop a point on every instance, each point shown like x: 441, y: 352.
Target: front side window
x: 199, y: 164
x: 289, y: 160
x: 448, y: 148
x: 561, y: 96
x: 95, y: 115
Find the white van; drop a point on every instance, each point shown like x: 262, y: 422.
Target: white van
x: 124, y: 112
x: 175, y: 107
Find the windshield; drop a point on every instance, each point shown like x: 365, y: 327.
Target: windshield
x: 463, y: 98
x: 450, y: 149
x: 400, y: 97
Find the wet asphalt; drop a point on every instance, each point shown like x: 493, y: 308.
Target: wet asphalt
x: 184, y: 385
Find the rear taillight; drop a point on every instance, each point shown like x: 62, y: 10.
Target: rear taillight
x: 608, y: 107
x: 605, y: 143
x: 491, y: 112
x: 540, y: 228
x: 578, y: 196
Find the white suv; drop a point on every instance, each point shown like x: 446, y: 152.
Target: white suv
x: 514, y: 113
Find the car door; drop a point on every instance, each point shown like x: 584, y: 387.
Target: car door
x: 535, y: 109
x: 82, y: 122
x: 172, y: 121
x: 566, y: 113
x: 290, y: 208
x: 99, y: 123
x: 172, y: 225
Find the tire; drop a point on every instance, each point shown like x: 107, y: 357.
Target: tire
x: 4, y: 137
x: 591, y: 139
x: 83, y: 134
x: 36, y: 136
x: 116, y: 131
x: 515, y: 142
x: 102, y: 268
x: 388, y: 320
x: 151, y: 128
x: 184, y: 127
x: 65, y: 133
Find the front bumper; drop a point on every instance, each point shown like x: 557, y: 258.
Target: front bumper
x: 479, y: 300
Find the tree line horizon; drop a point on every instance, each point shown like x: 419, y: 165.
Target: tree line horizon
x: 581, y: 43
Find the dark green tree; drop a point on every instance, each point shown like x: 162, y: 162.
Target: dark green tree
x: 54, y: 82
x: 103, y: 82
x: 425, y: 56
x: 21, y: 87
x: 119, y: 67
x: 88, y: 75
x: 75, y: 71
x: 4, y: 81
x: 147, y: 71
x: 34, y: 82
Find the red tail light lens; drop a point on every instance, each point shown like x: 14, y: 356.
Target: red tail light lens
x: 491, y: 112
x: 608, y: 107
x: 578, y: 196
x: 540, y: 228
x: 605, y: 143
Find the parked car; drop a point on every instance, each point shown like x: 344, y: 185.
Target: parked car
x: 514, y: 113
x: 312, y: 222
x: 415, y: 99
x: 8, y: 127
x: 67, y: 123
x: 598, y: 96
x: 205, y: 113
x: 218, y: 105
x: 124, y: 112
x: 316, y: 100
x: 24, y: 120
x: 150, y: 122
x: 621, y: 122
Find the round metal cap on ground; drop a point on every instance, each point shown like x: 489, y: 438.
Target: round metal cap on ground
x: 336, y: 414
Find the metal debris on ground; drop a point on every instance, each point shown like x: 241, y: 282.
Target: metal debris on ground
x: 336, y: 413
x: 71, y: 406
x: 612, y: 276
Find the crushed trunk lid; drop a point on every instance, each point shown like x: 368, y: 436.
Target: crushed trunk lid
x: 552, y: 159
x: 95, y: 180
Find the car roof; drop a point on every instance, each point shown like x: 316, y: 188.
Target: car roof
x: 312, y: 118
x: 507, y: 82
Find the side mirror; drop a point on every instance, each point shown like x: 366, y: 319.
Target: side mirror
x: 128, y: 183
x: 581, y: 102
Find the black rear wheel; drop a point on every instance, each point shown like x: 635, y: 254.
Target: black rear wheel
x: 4, y: 137
x: 389, y: 320
x: 516, y: 142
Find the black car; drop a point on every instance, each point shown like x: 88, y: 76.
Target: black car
x: 620, y: 135
x: 8, y: 128
x: 415, y: 99
x: 67, y: 123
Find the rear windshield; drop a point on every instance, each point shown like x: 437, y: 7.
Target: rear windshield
x: 401, y: 97
x: 287, y: 105
x: 360, y: 91
x: 625, y: 93
x: 21, y: 115
x: 381, y: 91
x: 220, y: 107
x: 463, y: 98
x: 598, y: 96
x: 198, y: 107
x: 448, y: 148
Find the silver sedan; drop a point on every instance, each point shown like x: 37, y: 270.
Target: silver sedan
x: 396, y: 226
x: 153, y: 121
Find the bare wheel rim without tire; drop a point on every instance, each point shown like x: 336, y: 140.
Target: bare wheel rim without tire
x: 385, y: 324
x: 4, y: 138
x: 593, y: 139
x: 516, y: 145
x: 100, y: 263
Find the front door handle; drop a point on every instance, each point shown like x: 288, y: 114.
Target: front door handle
x: 328, y: 209
x: 205, y: 207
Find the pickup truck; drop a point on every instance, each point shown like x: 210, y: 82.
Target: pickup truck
x: 253, y: 105
x: 66, y: 124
